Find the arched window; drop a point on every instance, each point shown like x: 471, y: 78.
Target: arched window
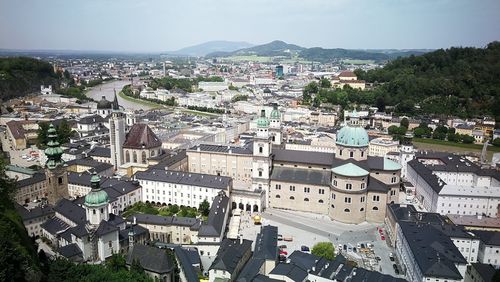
x: 347, y: 210
x: 306, y: 199
x: 127, y: 156
x: 278, y: 196
x: 375, y: 208
x: 333, y: 206
x: 351, y: 154
x: 362, y: 209
x: 340, y: 152
x: 292, y: 198
x: 320, y: 201
x: 134, y: 156
x: 143, y: 157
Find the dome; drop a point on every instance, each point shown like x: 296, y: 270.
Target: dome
x: 275, y: 113
x: 350, y: 170
x: 352, y: 137
x: 104, y: 104
x: 262, y: 121
x: 96, y: 197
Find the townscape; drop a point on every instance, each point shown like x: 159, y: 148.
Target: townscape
x: 262, y: 163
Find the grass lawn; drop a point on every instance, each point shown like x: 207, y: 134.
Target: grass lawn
x: 453, y: 144
x: 139, y: 101
x: 441, y: 145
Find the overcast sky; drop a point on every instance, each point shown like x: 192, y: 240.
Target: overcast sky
x: 161, y: 25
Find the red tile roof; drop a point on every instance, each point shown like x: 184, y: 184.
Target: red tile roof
x: 141, y: 136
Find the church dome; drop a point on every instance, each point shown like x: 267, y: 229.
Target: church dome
x: 275, y: 113
x: 96, y: 196
x: 262, y: 121
x: 352, y: 136
x: 104, y: 104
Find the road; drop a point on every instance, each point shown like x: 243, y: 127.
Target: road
x: 107, y: 90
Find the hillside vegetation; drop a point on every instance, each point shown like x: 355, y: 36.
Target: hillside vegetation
x: 456, y: 81
x: 20, y: 76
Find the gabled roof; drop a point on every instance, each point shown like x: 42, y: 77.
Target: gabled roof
x: 293, y: 156
x: 71, y: 211
x: 27, y: 214
x: 151, y: 259
x: 100, y: 152
x: 186, y: 265
x: 185, y: 178
x: 105, y: 228
x: 141, y: 136
x: 71, y: 251
x: 266, y: 243
x: 230, y: 254
x: 297, y: 175
x: 290, y: 270
x: 215, y: 223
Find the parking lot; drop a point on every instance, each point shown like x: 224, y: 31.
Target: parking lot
x: 307, y: 229
x: 16, y: 156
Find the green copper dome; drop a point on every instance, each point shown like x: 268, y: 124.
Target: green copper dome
x: 263, y: 121
x: 275, y: 114
x: 352, y: 137
x: 53, y: 152
x: 96, y: 197
x: 350, y: 169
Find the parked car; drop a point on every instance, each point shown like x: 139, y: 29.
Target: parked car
x: 362, y: 245
x: 282, y: 258
x: 282, y: 246
x: 369, y: 245
x: 283, y: 252
x: 382, y: 237
x: 288, y: 238
x: 378, y: 258
x: 358, y: 246
x: 304, y: 248
x: 354, y: 250
x: 345, y: 247
x: 396, y: 270
x: 280, y: 237
x: 391, y: 256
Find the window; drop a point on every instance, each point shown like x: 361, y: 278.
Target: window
x: 333, y: 206
x: 333, y: 196
x: 306, y: 199
x: 362, y: 199
x: 348, y: 186
x: 347, y: 200
x: 351, y: 154
x: 335, y: 183
x: 347, y: 210
x: 340, y: 152
x: 393, y: 192
x: 292, y: 198
x: 376, y: 198
x: 307, y: 189
x: 362, y: 154
x: 292, y: 188
x: 278, y: 186
x: 260, y: 173
x: 278, y: 196
x: 375, y: 208
x: 394, y: 179
x: 320, y: 201
x: 363, y: 185
x: 261, y: 149
x: 321, y: 191
x: 362, y: 209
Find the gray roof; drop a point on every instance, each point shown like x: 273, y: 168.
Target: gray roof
x: 291, y: 271
x: 151, y: 258
x: 409, y: 213
x: 293, y: 156
x: 215, y: 223
x: 449, y: 162
x: 298, y: 175
x: 27, y: 214
x: 434, y: 252
x: 105, y: 228
x: 251, y: 270
x: 100, y: 152
x: 304, y: 260
x: 186, y: 265
x: 247, y: 149
x: 266, y: 243
x: 230, y: 253
x: 193, y: 223
x: 171, y: 159
x: 94, y: 165
x: 54, y: 225
x: 185, y: 178
x: 36, y: 178
x: 486, y: 271
x: 376, y: 185
x: 71, y: 251
x: 426, y: 174
x: 71, y: 211
x: 488, y: 237
x: 79, y: 231
x: 93, y: 119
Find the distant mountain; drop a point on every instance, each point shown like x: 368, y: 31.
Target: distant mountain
x: 280, y: 48
x: 210, y: 47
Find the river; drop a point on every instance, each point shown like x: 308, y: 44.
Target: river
x: 107, y: 90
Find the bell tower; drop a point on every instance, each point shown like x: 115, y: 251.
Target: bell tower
x: 262, y: 149
x: 275, y: 126
x: 55, y: 173
x: 96, y: 202
x: 116, y: 133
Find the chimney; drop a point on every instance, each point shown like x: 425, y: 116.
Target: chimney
x: 135, y: 221
x: 241, y: 240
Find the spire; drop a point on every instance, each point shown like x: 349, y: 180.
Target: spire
x: 53, y: 151
x: 115, y: 106
x: 95, y: 182
x: 96, y: 196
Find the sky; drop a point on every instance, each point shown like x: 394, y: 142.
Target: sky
x: 167, y: 25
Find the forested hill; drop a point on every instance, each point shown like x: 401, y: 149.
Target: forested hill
x: 21, y: 75
x: 455, y: 81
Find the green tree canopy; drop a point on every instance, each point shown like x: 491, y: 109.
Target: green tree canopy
x: 324, y: 249
x: 204, y: 207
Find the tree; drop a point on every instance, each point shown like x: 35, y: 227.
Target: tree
x: 64, y: 132
x: 42, y: 138
x: 324, y: 249
x: 116, y: 262
x: 380, y: 104
x: 204, y: 208
x: 136, y: 266
x: 405, y: 123
x: 467, y: 139
x: 325, y: 83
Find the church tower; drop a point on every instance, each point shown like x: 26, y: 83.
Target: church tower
x: 406, y: 154
x: 262, y: 149
x: 96, y: 202
x: 116, y: 133
x: 275, y: 126
x: 56, y: 174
